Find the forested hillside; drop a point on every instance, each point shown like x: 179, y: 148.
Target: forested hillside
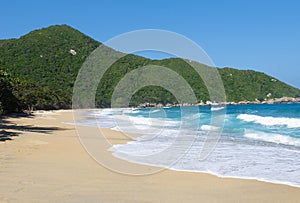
x: 39, y: 69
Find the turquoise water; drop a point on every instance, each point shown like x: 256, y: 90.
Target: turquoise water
x: 256, y: 141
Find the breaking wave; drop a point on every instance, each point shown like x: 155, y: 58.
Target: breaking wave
x: 271, y: 121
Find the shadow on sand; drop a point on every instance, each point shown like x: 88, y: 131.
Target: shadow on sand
x: 7, y: 126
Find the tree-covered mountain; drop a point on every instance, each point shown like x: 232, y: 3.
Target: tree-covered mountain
x: 46, y: 63
x: 43, y: 57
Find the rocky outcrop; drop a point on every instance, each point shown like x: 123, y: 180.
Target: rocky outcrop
x: 209, y: 103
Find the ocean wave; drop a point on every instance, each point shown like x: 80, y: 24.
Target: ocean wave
x: 193, y: 116
x: 209, y: 128
x: 271, y: 121
x: 160, y: 122
x: 274, y: 138
x: 114, y: 111
x: 133, y: 111
x: 142, y: 125
x: 267, y: 154
x: 217, y: 108
x: 105, y: 112
x: 155, y: 110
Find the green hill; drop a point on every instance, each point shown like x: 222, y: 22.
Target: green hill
x: 46, y: 63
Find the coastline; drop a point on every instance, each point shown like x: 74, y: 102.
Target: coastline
x: 282, y: 100
x: 46, y: 162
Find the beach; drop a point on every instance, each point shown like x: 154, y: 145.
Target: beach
x: 45, y: 162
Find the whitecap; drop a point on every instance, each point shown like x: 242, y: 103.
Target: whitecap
x: 209, y: 128
x: 271, y: 121
x: 274, y: 138
x: 217, y: 108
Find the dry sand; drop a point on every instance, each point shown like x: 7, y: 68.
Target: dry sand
x: 47, y: 163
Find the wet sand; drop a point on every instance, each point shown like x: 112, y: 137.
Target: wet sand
x: 45, y: 162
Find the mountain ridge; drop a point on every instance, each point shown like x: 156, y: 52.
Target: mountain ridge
x: 51, y: 58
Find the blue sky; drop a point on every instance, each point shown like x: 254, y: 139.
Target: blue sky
x: 258, y: 35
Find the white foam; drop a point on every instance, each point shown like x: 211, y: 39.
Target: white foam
x: 156, y: 110
x: 116, y: 128
x: 193, y: 116
x: 142, y: 121
x: 271, y: 121
x: 209, y: 128
x: 238, y: 157
x: 229, y: 159
x: 105, y: 112
x: 145, y: 146
x: 217, y: 108
x: 239, y: 177
x: 274, y: 138
x: 132, y: 110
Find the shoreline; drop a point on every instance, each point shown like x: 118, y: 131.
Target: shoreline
x: 195, y: 171
x: 282, y: 100
x: 225, y: 177
x: 45, y: 164
x: 241, y: 178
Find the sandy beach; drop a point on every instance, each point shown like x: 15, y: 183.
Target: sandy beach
x: 45, y: 162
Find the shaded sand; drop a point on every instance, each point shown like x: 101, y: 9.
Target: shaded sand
x: 45, y: 162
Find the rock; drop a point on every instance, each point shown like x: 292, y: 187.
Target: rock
x: 244, y: 102
x: 73, y: 52
x: 159, y: 105
x: 208, y: 102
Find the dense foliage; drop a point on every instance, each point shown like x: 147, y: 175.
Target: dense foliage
x: 17, y: 95
x: 44, y: 60
x: 8, y: 101
x: 46, y: 63
x: 249, y: 85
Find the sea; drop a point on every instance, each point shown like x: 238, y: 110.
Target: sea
x: 259, y: 141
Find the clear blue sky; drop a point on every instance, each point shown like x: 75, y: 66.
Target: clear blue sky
x: 258, y: 35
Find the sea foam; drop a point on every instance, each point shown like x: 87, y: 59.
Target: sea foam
x: 251, y: 146
x: 274, y: 138
x: 209, y: 128
x: 270, y: 121
x: 217, y: 108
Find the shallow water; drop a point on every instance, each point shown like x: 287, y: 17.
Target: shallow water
x: 256, y: 141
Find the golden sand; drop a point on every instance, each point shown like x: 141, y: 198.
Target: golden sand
x: 47, y: 163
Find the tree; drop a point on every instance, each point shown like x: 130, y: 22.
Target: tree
x: 8, y: 101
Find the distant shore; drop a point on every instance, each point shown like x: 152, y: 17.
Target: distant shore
x: 45, y: 162
x: 282, y: 100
